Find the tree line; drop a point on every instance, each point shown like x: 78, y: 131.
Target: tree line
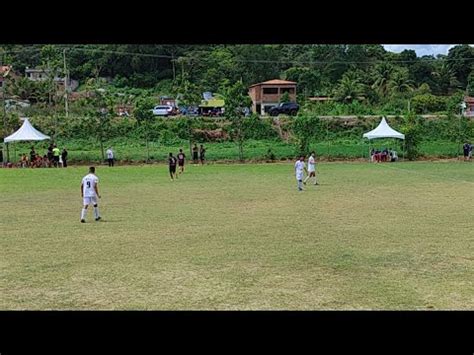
x: 366, y: 73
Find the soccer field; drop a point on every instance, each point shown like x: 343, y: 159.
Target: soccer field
x: 386, y: 236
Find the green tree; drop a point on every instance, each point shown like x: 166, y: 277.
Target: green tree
x: 428, y: 103
x: 99, y: 108
x: 445, y: 79
x: 309, y: 80
x: 470, y: 84
x: 350, y: 87
x: 399, y: 82
x: 460, y: 61
x: 143, y: 113
x: 305, y: 127
x: 285, y: 97
x: 382, y: 75
x: 421, y: 71
x: 412, y: 129
x: 236, y: 98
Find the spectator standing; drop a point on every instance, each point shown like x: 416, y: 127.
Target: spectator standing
x: 110, y: 156
x: 56, y: 154
x: 49, y: 155
x: 64, y: 157
x: 195, y: 154
x: 202, y: 154
x: 32, y: 154
x: 466, y: 148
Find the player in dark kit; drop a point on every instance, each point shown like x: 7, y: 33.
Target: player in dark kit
x: 172, y: 165
x: 195, y: 154
x: 181, y: 157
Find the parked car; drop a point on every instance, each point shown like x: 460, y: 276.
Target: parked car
x: 287, y: 108
x: 163, y: 110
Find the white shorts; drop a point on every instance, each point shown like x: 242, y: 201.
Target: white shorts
x: 299, y: 177
x: 90, y: 200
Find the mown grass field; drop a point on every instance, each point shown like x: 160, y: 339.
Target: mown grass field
x: 238, y: 237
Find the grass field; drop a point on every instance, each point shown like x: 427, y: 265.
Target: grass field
x: 387, y: 236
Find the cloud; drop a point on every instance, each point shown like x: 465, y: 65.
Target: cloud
x: 420, y: 49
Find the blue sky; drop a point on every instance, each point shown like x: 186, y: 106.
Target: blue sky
x: 420, y: 49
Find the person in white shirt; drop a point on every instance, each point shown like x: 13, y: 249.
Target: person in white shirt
x: 110, y: 156
x: 90, y: 193
x: 311, y: 168
x: 300, y: 167
x: 393, y: 156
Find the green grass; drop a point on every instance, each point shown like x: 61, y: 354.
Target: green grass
x: 386, y: 236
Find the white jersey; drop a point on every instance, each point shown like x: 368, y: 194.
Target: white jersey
x: 88, y: 183
x: 299, y: 167
x: 311, y: 164
x: 110, y: 154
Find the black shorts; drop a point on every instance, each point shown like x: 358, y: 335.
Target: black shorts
x: 195, y: 156
x: 172, y: 168
x: 181, y: 163
x: 56, y: 159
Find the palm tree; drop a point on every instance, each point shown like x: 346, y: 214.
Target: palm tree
x: 399, y: 82
x: 382, y: 75
x: 349, y: 88
x: 446, y: 78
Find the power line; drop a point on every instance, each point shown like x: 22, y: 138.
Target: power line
x: 256, y: 61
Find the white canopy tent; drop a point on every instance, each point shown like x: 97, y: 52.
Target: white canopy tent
x: 26, y: 133
x: 383, y: 130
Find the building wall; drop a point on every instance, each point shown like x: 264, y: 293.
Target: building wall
x: 266, y: 100
x: 469, y: 110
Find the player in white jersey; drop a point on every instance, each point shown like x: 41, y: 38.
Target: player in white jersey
x: 300, y: 167
x: 311, y: 168
x: 90, y: 193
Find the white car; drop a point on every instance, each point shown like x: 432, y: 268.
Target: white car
x: 162, y: 110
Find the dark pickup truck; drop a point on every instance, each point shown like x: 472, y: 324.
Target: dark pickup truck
x: 287, y: 108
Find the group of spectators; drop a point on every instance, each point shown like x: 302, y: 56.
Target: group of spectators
x: 378, y: 156
x: 199, y: 154
x: 53, y: 158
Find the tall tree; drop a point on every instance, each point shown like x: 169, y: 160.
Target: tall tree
x: 460, y: 60
x: 350, y: 87
x: 446, y: 81
x: 236, y: 98
x: 399, y: 82
x: 99, y: 110
x: 144, y: 115
x: 382, y: 75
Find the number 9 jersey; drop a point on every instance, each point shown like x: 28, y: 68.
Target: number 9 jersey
x: 88, y: 185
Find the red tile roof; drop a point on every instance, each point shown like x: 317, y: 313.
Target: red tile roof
x: 276, y: 82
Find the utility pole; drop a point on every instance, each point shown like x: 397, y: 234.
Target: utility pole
x: 65, y: 84
x: 6, y: 157
x: 6, y: 153
x: 463, y: 108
